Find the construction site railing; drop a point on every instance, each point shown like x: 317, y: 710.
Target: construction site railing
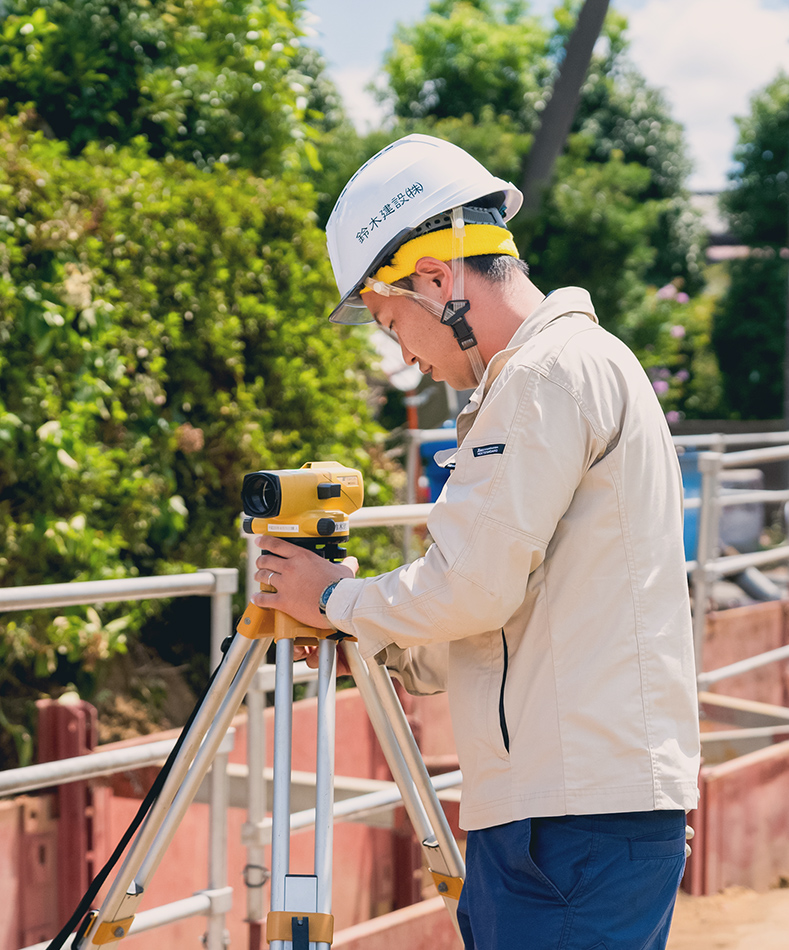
x: 219, y: 584
x: 710, y: 566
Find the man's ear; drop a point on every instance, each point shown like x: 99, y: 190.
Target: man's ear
x: 438, y: 272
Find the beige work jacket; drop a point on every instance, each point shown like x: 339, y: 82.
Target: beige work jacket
x: 554, y: 598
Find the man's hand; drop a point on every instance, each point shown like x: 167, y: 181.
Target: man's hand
x: 310, y: 654
x: 300, y: 577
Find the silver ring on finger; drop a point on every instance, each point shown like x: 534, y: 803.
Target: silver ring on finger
x: 270, y: 575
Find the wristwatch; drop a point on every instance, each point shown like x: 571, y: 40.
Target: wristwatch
x: 324, y: 598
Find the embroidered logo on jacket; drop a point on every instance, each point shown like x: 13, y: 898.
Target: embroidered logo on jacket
x: 481, y: 450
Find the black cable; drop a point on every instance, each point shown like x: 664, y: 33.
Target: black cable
x: 82, y: 911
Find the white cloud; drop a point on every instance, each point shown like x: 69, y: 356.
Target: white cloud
x: 361, y: 105
x: 709, y: 56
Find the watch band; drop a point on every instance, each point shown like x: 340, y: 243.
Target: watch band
x: 325, y: 595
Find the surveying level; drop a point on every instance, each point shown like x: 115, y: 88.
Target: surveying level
x: 310, y: 507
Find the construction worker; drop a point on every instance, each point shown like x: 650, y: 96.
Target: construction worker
x: 553, y: 604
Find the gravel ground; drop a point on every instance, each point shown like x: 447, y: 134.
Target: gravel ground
x: 736, y: 919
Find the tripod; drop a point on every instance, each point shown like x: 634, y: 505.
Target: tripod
x: 300, y: 915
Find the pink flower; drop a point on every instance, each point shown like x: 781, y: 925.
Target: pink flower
x: 673, y: 416
x: 682, y: 297
x: 660, y: 386
x: 668, y: 292
x: 678, y: 331
x: 682, y: 376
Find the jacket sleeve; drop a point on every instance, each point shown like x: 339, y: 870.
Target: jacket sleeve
x: 422, y: 670
x: 515, y: 476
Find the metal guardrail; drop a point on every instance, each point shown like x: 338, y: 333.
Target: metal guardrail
x: 721, y: 440
x: 219, y: 584
x: 194, y: 906
x: 705, y: 680
x: 104, y: 592
x: 709, y: 567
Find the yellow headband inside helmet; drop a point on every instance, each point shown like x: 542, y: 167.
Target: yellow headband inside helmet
x: 478, y: 239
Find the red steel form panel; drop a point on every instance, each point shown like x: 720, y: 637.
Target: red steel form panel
x: 66, y: 730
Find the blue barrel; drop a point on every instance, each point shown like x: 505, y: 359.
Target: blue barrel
x: 437, y: 476
x: 691, y: 483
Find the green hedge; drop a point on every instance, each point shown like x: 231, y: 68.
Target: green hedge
x: 163, y: 331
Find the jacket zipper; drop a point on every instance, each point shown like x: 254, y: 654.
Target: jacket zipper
x: 505, y: 734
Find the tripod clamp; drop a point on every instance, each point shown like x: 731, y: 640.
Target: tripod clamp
x: 257, y: 622
x: 302, y: 929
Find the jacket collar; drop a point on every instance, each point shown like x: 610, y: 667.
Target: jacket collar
x: 555, y: 305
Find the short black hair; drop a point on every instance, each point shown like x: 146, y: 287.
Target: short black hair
x: 497, y: 268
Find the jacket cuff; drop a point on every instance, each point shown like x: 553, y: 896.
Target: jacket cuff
x: 339, y: 612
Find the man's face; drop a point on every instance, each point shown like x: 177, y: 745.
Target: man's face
x: 423, y: 339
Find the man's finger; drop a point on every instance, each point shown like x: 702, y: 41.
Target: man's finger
x: 266, y: 598
x: 270, y: 562
x: 276, y: 545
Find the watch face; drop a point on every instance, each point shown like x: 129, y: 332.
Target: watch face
x: 326, y: 595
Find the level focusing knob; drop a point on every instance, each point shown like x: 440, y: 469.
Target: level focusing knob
x: 326, y: 527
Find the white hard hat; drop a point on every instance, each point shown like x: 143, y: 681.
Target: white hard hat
x: 397, y: 190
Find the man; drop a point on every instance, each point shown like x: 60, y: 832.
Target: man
x: 553, y: 604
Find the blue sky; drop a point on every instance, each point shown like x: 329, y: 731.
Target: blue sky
x: 708, y: 56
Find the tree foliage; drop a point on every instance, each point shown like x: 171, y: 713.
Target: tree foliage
x: 749, y: 328
x: 749, y: 335
x: 204, y: 80
x: 756, y: 203
x: 593, y: 232
x: 163, y: 331
x: 670, y: 334
x: 466, y: 56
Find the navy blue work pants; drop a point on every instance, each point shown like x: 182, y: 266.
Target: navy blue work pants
x: 576, y: 882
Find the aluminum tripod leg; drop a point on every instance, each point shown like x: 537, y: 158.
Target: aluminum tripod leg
x: 409, y: 772
x: 324, y: 775
x: 189, y: 768
x: 297, y: 897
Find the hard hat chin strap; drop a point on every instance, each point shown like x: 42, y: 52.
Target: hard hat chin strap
x: 455, y: 310
x: 454, y: 316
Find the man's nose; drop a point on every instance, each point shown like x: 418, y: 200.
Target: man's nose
x: 408, y: 356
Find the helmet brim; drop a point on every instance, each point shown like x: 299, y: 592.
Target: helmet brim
x: 351, y: 311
